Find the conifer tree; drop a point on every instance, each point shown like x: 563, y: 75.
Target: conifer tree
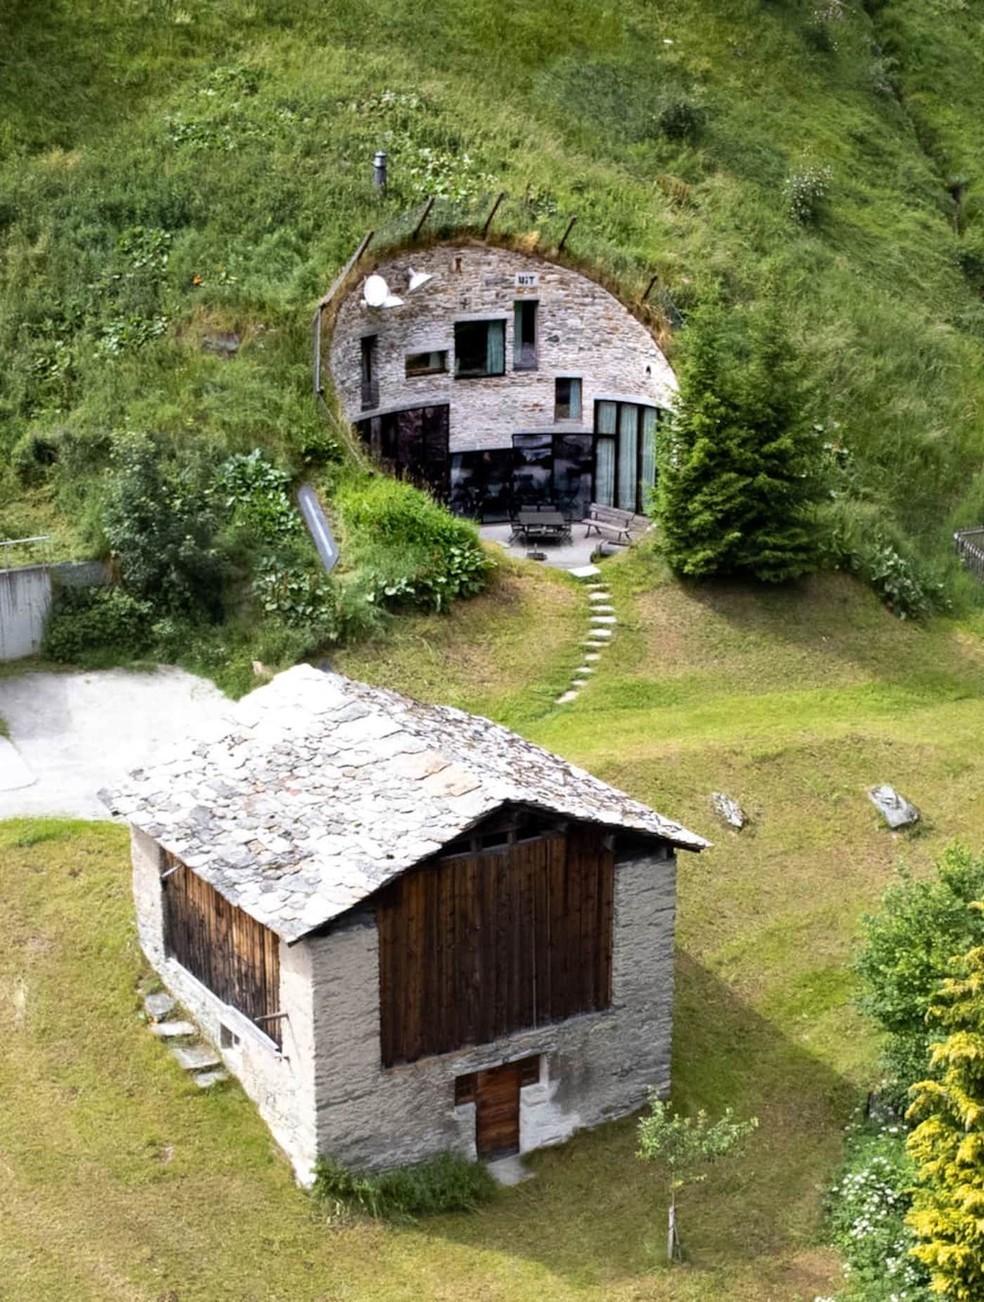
x: 947, y: 1145
x: 739, y: 470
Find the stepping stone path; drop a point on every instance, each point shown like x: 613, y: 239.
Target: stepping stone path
x: 602, y: 620
x: 198, y: 1058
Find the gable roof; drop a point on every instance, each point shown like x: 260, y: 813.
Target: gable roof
x: 314, y: 791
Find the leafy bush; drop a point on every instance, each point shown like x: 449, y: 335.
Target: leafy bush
x: 256, y: 497
x: 93, y: 619
x: 32, y: 455
x: 907, y: 949
x: 807, y: 192
x: 444, y: 1184
x: 160, y: 521
x: 867, y: 1210
x: 408, y: 550
x: 739, y: 482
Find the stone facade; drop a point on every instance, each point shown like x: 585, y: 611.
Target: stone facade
x: 280, y: 1082
x: 326, y: 1091
x: 582, y: 331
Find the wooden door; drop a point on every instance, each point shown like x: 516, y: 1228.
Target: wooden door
x: 497, y: 1110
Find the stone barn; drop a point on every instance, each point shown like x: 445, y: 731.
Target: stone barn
x: 406, y: 929
x: 498, y: 380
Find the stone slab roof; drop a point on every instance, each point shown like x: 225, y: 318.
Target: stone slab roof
x: 314, y: 791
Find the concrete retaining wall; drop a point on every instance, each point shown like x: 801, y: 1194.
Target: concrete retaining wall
x: 25, y: 599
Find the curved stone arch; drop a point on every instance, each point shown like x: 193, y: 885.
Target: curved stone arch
x: 398, y: 370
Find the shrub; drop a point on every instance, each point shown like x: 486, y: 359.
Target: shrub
x: 807, y: 192
x: 92, y: 619
x: 907, y: 948
x: 32, y: 456
x: 160, y: 521
x: 255, y: 495
x: 867, y: 1210
x: 739, y: 478
x: 444, y: 1184
x: 408, y: 550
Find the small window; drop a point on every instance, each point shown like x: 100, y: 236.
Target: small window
x: 435, y: 363
x: 524, y: 335
x: 464, y: 1089
x: 529, y: 1070
x: 567, y: 398
x: 228, y: 1038
x: 479, y: 348
x: 491, y: 840
x: 369, y: 349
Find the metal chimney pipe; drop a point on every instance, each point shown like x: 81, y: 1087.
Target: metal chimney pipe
x: 379, y: 169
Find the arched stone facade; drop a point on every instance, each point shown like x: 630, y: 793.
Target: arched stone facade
x: 504, y: 379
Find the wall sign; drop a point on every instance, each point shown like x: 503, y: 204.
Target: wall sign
x: 527, y: 279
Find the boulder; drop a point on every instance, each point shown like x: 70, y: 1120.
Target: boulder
x: 728, y: 809
x: 893, y: 807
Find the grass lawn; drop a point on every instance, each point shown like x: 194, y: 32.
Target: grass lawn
x: 119, y: 1180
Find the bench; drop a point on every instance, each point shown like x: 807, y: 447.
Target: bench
x: 616, y: 525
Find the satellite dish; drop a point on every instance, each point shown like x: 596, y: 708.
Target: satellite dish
x: 392, y: 300
x: 418, y: 278
x: 375, y: 291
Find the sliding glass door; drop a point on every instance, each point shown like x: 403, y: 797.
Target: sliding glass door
x: 625, y: 454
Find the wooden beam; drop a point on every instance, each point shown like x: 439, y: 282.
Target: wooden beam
x: 649, y: 287
x: 563, y: 238
x: 495, y: 209
x: 423, y: 217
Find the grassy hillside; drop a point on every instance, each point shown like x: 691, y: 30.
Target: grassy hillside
x: 168, y: 171
x: 122, y: 1181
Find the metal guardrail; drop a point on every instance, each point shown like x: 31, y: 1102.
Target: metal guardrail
x: 969, y: 544
x: 36, y: 541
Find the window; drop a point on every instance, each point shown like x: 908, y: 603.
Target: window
x: 524, y: 335
x: 235, y: 956
x: 532, y: 469
x: 369, y: 349
x: 567, y: 398
x: 481, y: 483
x: 625, y: 453
x: 433, y: 363
x: 479, y: 348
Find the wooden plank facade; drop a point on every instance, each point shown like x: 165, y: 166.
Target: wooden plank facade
x: 477, y: 945
x: 235, y: 956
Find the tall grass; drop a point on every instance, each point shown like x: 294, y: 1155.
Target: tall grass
x: 236, y: 139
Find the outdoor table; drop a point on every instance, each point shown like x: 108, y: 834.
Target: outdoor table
x: 548, y: 526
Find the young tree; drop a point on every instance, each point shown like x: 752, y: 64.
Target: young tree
x: 686, y: 1146
x: 739, y: 476
x: 947, y: 1145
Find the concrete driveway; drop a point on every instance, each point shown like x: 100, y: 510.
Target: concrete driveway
x: 72, y: 734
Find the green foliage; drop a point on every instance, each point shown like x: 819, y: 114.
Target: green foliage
x: 680, y: 118
x: 807, y: 192
x: 159, y: 519
x: 868, y: 1208
x: 255, y: 496
x: 85, y: 620
x: 408, y: 550
x: 947, y: 1144
x: 907, y: 949
x: 686, y: 1145
x: 444, y: 1184
x: 739, y: 479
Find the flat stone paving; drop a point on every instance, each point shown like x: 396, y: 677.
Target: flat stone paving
x: 72, y: 734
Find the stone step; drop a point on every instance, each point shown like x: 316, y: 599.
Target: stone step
x: 599, y: 594
x: 592, y: 655
x: 582, y: 670
x: 604, y: 619
x: 206, y: 1079
x: 171, y: 1030
x: 196, y: 1057
x: 584, y: 572
x: 566, y: 697
x: 600, y: 635
x: 603, y: 610
x: 158, y: 1006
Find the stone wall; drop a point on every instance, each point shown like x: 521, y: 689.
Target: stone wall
x: 280, y: 1082
x: 582, y: 331
x: 595, y: 1067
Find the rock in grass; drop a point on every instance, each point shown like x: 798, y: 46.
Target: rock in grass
x: 728, y: 809
x: 893, y: 807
